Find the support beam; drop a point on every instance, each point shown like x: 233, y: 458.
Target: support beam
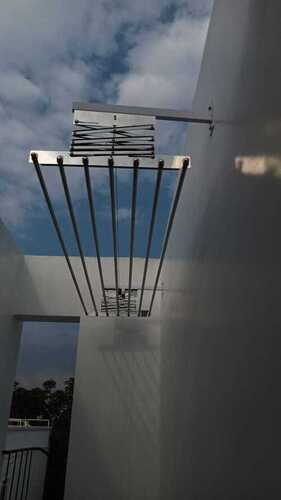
x: 158, y: 113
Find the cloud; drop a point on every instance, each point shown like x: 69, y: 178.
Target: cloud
x: 52, y: 53
x: 163, y: 69
x: 123, y: 214
x: 164, y: 66
x: 16, y: 88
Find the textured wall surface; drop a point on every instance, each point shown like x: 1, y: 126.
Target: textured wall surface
x: 11, y: 263
x: 45, y: 286
x: 114, y: 443
x: 24, y: 437
x: 220, y: 357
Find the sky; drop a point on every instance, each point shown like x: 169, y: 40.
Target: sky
x: 116, y: 51
x: 47, y: 350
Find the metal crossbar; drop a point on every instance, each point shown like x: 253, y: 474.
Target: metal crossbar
x: 96, y: 140
x: 132, y: 231
x: 57, y: 228
x: 151, y: 228
x: 158, y: 113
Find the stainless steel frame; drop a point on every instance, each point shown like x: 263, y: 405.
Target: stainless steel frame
x: 168, y: 229
x: 48, y: 157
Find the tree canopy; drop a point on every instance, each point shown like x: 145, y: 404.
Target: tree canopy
x: 42, y: 402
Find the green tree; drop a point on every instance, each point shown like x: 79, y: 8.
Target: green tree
x: 49, y: 385
x: 68, y: 389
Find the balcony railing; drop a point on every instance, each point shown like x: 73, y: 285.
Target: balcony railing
x: 29, y: 422
x: 17, y: 473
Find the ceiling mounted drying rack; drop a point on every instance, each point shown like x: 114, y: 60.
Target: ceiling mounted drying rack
x: 115, y: 137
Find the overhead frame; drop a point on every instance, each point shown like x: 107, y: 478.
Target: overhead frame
x: 43, y: 158
x: 105, y: 128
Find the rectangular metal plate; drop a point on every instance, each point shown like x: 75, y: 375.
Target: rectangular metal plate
x: 49, y: 158
x: 110, y: 119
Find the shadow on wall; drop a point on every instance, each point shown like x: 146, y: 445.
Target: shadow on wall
x: 134, y: 365
x: 115, y: 425
x: 220, y: 357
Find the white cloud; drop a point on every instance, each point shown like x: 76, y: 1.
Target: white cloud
x: 164, y: 66
x: 123, y: 214
x: 15, y: 88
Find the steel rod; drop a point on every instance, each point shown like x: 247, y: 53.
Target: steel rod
x: 19, y: 476
x: 28, y: 476
x: 151, y: 228
x: 99, y: 146
x: 49, y: 158
x: 96, y: 128
x: 56, y: 226
x: 75, y: 229
x: 24, y: 475
x: 94, y: 226
x: 132, y: 232
x: 114, y: 232
x: 121, y: 307
x: 131, y: 155
x: 168, y: 229
x: 13, y: 476
x: 87, y: 141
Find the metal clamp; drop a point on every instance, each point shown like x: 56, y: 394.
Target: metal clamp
x: 212, y: 123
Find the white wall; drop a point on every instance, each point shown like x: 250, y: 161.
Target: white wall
x: 114, y: 441
x: 45, y: 287
x: 27, y: 437
x: 40, y: 287
x: 10, y: 264
x: 220, y: 373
